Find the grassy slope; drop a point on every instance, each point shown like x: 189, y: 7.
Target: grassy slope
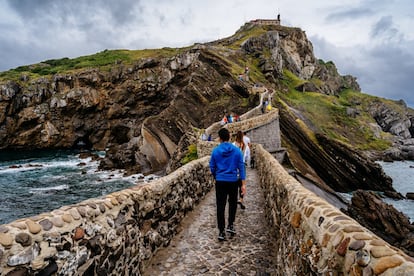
x: 102, y: 60
x: 328, y: 114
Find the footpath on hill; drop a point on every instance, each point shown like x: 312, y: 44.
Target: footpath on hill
x: 195, y: 250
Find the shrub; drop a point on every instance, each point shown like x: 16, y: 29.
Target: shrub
x: 191, y: 154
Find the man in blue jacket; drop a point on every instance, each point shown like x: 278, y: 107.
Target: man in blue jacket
x: 227, y: 167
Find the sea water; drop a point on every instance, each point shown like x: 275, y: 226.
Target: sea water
x: 402, y: 174
x: 34, y: 182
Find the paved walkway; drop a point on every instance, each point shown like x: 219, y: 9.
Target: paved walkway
x: 195, y: 250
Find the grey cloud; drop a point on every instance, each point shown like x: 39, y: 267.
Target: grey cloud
x: 394, y: 65
x: 384, y: 29
x: 120, y: 11
x: 385, y: 70
x: 348, y: 14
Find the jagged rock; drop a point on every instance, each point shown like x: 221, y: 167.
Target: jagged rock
x: 383, y: 219
x: 410, y: 196
x: 390, y: 120
x: 307, y: 87
x: 335, y: 164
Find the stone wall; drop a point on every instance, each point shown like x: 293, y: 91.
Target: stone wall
x: 113, y: 235
x: 314, y: 237
x: 263, y: 129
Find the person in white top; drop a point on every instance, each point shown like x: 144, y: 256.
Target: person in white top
x: 246, y: 155
x: 243, y: 147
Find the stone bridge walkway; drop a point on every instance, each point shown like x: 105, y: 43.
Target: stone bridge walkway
x: 195, y: 250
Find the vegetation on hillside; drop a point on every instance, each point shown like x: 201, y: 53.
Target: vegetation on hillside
x: 190, y: 155
x: 102, y: 60
x: 329, y: 114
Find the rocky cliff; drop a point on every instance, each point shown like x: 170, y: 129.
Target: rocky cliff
x: 139, y: 109
x: 137, y: 113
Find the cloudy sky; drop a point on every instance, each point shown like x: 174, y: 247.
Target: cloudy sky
x: 371, y: 40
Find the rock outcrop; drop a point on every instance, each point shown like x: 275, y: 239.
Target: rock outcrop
x: 290, y: 49
x: 383, y: 219
x: 335, y: 164
x: 398, y: 121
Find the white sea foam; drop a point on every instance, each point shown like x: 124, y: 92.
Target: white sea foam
x: 49, y: 189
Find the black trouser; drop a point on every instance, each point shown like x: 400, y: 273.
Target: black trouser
x: 226, y: 190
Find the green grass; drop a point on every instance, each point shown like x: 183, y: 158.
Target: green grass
x: 328, y: 114
x: 102, y: 60
x: 191, y: 154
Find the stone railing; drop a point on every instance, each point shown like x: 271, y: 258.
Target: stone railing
x: 254, y: 112
x: 204, y: 148
x: 254, y: 122
x: 314, y: 236
x: 113, y: 235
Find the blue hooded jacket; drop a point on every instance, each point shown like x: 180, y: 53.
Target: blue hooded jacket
x: 226, y: 163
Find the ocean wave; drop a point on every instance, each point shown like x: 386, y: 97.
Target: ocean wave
x: 20, y: 168
x: 48, y: 189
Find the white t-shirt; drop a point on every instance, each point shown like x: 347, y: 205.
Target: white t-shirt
x: 246, y: 140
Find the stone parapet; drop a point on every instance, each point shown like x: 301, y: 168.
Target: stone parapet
x: 205, y: 148
x: 253, y: 123
x: 113, y: 235
x: 315, y: 237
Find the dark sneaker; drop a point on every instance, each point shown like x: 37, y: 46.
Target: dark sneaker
x: 222, y: 236
x: 231, y: 230
x: 241, y: 205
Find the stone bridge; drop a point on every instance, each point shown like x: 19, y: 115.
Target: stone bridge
x: 168, y: 227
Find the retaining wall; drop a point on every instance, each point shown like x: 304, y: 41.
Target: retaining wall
x: 113, y: 235
x: 315, y: 237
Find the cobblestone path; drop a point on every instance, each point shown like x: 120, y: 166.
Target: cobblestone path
x: 195, y: 250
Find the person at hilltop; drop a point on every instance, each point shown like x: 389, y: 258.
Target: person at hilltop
x: 242, y: 146
x: 227, y: 167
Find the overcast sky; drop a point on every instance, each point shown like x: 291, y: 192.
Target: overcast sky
x: 371, y: 40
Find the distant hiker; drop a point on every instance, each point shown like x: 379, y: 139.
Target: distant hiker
x: 246, y: 73
x: 226, y: 166
x: 242, y: 146
x: 224, y: 120
x: 209, y: 137
x: 230, y: 119
x: 264, y: 106
x: 247, y: 156
x: 269, y: 107
x: 203, y: 136
x: 236, y: 118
